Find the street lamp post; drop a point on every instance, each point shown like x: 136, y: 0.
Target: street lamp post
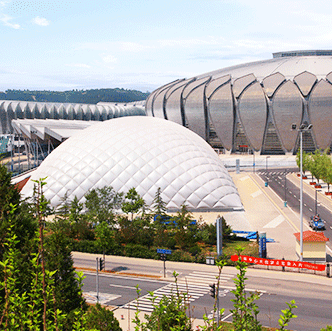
x: 285, y: 201
x: 303, y: 127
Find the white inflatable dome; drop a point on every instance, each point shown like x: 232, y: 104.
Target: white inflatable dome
x: 140, y: 152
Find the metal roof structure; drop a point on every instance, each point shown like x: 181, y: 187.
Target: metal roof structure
x: 11, y: 110
x: 252, y: 106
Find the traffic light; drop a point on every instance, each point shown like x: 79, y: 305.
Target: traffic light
x: 101, y: 264
x: 163, y: 257
x: 213, y: 290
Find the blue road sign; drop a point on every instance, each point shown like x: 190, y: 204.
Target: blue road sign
x: 164, y: 251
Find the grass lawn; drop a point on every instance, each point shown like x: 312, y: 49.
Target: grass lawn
x: 230, y: 247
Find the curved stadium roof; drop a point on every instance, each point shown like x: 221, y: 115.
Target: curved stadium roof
x: 11, y: 110
x: 144, y: 153
x: 254, y: 105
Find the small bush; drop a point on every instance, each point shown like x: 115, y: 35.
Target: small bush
x: 139, y: 251
x: 100, y: 318
x: 86, y: 246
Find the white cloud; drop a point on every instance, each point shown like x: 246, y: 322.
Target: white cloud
x: 79, y: 65
x: 41, y: 21
x: 5, y: 19
x: 109, y: 58
x: 4, y: 3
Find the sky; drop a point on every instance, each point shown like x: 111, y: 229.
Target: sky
x: 144, y: 44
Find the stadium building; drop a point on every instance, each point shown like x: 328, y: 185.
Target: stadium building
x: 251, y: 107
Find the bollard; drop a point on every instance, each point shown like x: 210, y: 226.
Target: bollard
x: 283, y: 267
x: 328, y: 270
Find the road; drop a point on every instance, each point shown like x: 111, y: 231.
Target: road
x: 313, y: 294
x: 285, y: 189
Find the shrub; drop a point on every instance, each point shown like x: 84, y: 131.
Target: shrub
x: 139, y: 251
x: 100, y: 318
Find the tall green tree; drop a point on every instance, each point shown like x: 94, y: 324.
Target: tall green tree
x: 305, y: 160
x: 101, y: 204
x: 21, y: 217
x: 59, y: 260
x: 133, y: 203
x: 185, y: 228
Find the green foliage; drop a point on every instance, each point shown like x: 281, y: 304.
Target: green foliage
x: 75, y: 210
x: 212, y: 324
x: 101, y: 203
x: 207, y: 233
x: 92, y: 96
x: 287, y: 315
x: 24, y: 227
x: 102, y: 319
x: 134, y: 250
x: 245, y: 309
x: 184, y: 230
x: 158, y: 205
x: 133, y: 203
x: 305, y: 160
x: 169, y: 314
x: 58, y: 259
x: 328, y: 328
x: 104, y: 236
x: 316, y: 165
x: 137, y: 231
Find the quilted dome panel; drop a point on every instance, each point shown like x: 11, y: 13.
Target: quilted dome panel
x: 144, y: 153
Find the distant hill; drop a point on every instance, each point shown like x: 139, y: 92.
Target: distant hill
x: 76, y: 96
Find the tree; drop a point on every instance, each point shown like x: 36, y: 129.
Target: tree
x: 133, y: 203
x: 63, y: 209
x: 326, y: 168
x: 317, y: 165
x: 185, y: 228
x: 305, y: 160
x: 104, y: 236
x: 101, y: 203
x: 59, y: 259
x: 100, y: 318
x: 158, y: 205
x: 159, y: 210
x: 169, y: 313
x: 24, y: 226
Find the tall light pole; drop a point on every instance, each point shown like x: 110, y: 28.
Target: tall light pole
x: 303, y: 127
x: 285, y: 201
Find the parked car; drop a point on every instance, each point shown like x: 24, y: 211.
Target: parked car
x: 316, y: 223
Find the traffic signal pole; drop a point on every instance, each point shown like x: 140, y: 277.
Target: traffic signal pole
x: 214, y: 293
x: 97, y: 280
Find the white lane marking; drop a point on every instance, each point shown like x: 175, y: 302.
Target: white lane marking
x: 275, y: 222
x: 256, y: 194
x: 244, y: 178
x: 124, y: 286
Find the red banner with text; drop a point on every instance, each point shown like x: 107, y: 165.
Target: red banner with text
x: 279, y: 263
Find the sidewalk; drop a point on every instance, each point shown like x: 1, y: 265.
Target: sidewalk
x: 265, y: 212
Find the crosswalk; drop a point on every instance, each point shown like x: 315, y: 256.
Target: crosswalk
x: 194, y: 286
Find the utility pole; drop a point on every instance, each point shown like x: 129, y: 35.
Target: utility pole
x: 219, y: 236
x: 97, y: 280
